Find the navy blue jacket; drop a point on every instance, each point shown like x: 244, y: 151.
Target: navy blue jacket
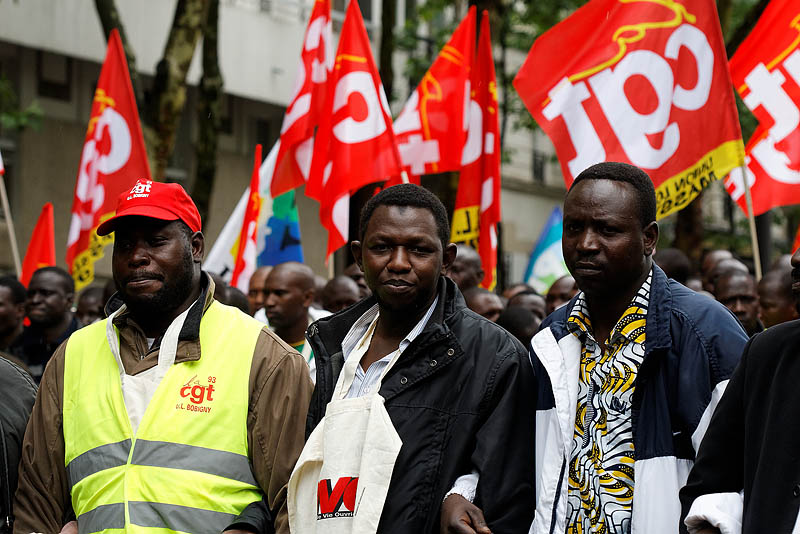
x: 692, y: 345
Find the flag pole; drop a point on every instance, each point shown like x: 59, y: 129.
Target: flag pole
x: 752, y: 220
x: 12, y: 235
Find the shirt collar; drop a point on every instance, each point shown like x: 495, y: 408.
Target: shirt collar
x: 630, y: 326
x: 360, y: 327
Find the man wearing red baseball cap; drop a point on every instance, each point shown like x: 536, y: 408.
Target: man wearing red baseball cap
x: 175, y: 412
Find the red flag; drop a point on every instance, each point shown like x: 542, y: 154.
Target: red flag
x: 641, y: 82
x: 303, y: 113
x: 113, y: 159
x: 355, y: 142
x: 432, y: 128
x: 246, y: 254
x: 766, y: 73
x: 796, y: 243
x: 42, y: 246
x: 477, y: 209
x: 2, y: 168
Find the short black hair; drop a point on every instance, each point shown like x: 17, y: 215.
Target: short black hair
x: 623, y: 172
x: 69, y: 283
x: 408, y: 195
x: 18, y: 292
x: 673, y: 262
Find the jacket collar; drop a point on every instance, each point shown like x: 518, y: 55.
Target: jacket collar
x: 334, y: 328
x: 657, y: 331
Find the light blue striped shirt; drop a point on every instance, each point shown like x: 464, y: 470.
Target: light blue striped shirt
x: 357, y: 341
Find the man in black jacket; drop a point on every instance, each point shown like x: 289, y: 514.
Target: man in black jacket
x: 460, y: 395
x: 17, y: 393
x: 751, y: 445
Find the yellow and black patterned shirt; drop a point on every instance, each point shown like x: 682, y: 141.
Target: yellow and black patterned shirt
x: 600, y: 496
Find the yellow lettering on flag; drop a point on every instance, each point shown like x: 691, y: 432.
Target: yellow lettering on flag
x: 83, y: 265
x: 466, y: 226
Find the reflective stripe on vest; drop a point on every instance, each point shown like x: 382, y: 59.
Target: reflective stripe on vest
x: 175, y: 473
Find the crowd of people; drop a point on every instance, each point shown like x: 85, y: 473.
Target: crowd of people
x: 636, y: 395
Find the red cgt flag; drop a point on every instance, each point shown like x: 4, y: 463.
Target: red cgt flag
x: 303, y: 113
x: 432, y: 128
x: 766, y: 73
x: 642, y: 82
x: 246, y: 254
x: 42, y: 246
x: 477, y: 209
x: 355, y: 142
x: 113, y: 159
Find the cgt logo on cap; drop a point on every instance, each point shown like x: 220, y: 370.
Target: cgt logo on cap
x: 140, y: 190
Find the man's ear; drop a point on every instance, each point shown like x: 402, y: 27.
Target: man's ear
x: 198, y: 246
x: 449, y: 256
x: 308, y: 297
x: 650, y: 235
x: 355, y: 248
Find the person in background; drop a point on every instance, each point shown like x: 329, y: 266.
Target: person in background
x: 51, y: 292
x: 674, y: 263
x: 560, y: 293
x: 289, y: 292
x: 776, y: 303
x: 513, y: 289
x: 466, y: 271
x: 12, y: 310
x: 353, y: 271
x: 90, y: 305
x: 17, y: 395
x: 520, y: 323
x: 708, y: 262
x: 255, y: 290
x: 484, y: 303
x: 724, y: 265
x: 235, y: 297
x: 737, y: 292
x: 339, y: 293
x: 531, y: 300
x: 319, y: 286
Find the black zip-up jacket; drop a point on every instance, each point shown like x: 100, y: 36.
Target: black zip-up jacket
x: 17, y: 394
x: 752, y: 442
x: 461, y: 397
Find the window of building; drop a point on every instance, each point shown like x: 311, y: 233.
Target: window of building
x: 365, y: 5
x: 53, y: 75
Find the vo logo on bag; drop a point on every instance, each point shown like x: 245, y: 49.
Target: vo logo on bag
x: 339, y: 501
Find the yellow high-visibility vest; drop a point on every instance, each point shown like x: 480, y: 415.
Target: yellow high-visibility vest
x: 186, y: 469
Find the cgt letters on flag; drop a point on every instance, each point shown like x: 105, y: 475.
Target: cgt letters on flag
x: 766, y: 74
x: 644, y: 83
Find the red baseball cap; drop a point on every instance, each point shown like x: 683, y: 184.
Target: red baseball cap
x: 167, y: 202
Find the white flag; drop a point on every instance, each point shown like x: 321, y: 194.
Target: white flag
x: 222, y: 257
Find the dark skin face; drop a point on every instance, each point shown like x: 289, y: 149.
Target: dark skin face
x: 90, y: 309
x: 776, y: 306
x: 534, y: 303
x: 465, y: 272
x: 11, y: 316
x: 739, y: 295
x: 607, y: 248
x: 560, y: 293
x: 49, y: 301
x: 255, y: 289
x: 402, y: 258
x: 487, y: 305
x: 353, y: 271
x: 288, y: 297
x: 156, y: 269
x: 339, y: 294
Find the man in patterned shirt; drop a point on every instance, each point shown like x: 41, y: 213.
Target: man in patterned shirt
x: 629, y: 370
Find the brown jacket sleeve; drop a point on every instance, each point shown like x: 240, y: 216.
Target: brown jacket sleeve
x: 42, y: 501
x: 279, y: 396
